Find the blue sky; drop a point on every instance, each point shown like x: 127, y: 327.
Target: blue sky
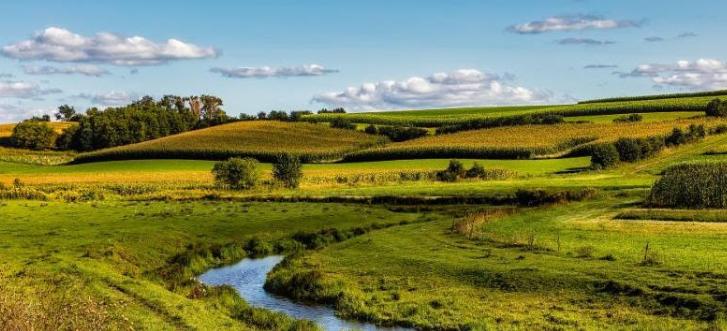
x: 362, y: 55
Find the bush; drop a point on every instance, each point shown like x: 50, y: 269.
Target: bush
x: 717, y: 108
x: 288, y: 170
x: 629, y: 118
x: 236, y: 173
x: 37, y: 135
x: 629, y: 149
x: 679, y: 136
x: 371, y: 129
x: 477, y: 171
x: 455, y: 170
x: 401, y: 133
x: 342, y: 123
x: 604, y: 156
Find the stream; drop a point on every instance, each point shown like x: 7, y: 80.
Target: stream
x: 248, y: 277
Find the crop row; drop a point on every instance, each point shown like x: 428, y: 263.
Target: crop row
x: 659, y: 96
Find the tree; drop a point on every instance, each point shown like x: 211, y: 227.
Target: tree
x: 262, y: 115
x: 236, y: 173
x: 717, y: 108
x: 477, y: 171
x: 604, y: 156
x: 65, y: 113
x: 288, y: 170
x: 36, y: 135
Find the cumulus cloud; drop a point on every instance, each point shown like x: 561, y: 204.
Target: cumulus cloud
x: 113, y: 98
x: 600, y: 66
x: 654, y: 39
x: 61, y: 45
x: 572, y: 23
x: 457, y: 88
x: 266, y: 72
x: 584, y: 41
x: 84, y: 69
x: 16, y: 113
x: 702, y: 74
x: 24, y: 90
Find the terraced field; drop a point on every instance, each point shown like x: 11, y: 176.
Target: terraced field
x: 260, y: 139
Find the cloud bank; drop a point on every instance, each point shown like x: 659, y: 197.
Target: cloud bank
x: 85, y: 70
x: 464, y: 87
x: 60, y: 45
x: 24, y: 90
x: 307, y: 70
x: 572, y: 23
x: 702, y: 74
x: 113, y: 98
x: 16, y: 113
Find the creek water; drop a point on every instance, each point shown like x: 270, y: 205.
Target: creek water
x: 248, y: 277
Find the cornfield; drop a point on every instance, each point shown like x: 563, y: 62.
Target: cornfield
x: 520, y: 142
x: 443, y: 117
x: 6, y: 130
x: 262, y: 140
x: 692, y: 185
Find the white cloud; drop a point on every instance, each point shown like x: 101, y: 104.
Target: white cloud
x: 571, y: 23
x: 703, y: 74
x: 457, y: 88
x: 266, y: 72
x: 61, y: 45
x: 24, y: 90
x: 14, y: 113
x: 113, y: 98
x: 83, y: 69
x: 584, y: 41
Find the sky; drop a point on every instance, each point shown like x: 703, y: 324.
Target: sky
x: 361, y: 55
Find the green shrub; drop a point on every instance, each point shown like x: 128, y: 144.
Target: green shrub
x: 717, y: 108
x: 629, y: 149
x: 477, y: 171
x: 342, y: 123
x: 288, y: 170
x: 236, y: 173
x: 629, y: 118
x: 401, y: 133
x: 693, y: 134
x: 371, y: 129
x: 604, y: 156
x: 455, y: 170
x: 37, y: 135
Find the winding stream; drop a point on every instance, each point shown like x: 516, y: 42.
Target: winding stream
x: 248, y: 277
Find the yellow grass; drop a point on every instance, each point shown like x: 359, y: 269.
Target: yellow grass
x: 6, y: 130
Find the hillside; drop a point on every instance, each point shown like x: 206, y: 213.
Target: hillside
x: 260, y: 139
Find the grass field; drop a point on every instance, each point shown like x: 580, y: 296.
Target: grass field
x: 6, y: 130
x: 259, y: 139
x: 523, y: 141
x: 647, y: 117
x: 93, y: 266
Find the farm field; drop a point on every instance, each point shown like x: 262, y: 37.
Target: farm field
x: 524, y: 141
x: 647, y: 117
x: 260, y: 139
x: 6, y: 130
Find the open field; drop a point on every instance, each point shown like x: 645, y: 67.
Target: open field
x: 6, y: 130
x: 647, y: 117
x: 522, y: 141
x: 259, y: 139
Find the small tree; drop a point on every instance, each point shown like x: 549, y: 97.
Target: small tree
x: 342, y: 123
x: 629, y: 149
x: 288, y: 170
x: 604, y: 156
x: 371, y: 129
x: 65, y: 113
x: 477, y: 171
x: 33, y: 135
x: 717, y: 108
x: 236, y: 173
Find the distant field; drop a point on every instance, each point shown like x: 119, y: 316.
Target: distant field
x: 647, y: 117
x: 521, y: 141
x: 35, y: 157
x: 260, y: 139
x: 447, y: 116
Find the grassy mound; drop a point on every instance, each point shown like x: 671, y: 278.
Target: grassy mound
x: 259, y: 139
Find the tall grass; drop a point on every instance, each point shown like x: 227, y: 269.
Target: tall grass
x: 691, y: 185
